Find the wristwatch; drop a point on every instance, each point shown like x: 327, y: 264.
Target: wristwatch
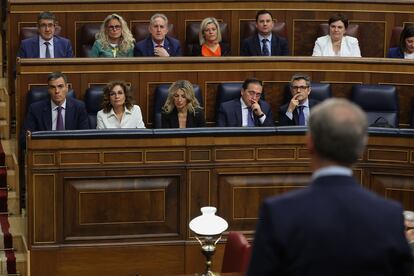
x: 261, y: 115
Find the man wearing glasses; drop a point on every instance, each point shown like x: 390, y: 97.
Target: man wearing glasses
x: 248, y: 110
x: 46, y: 44
x: 296, y: 112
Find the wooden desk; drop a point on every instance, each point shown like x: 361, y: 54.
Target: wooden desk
x: 119, y: 202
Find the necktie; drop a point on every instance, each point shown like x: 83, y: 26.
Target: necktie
x: 265, y: 49
x: 59, y: 122
x: 250, y: 120
x: 47, y: 52
x: 301, y: 115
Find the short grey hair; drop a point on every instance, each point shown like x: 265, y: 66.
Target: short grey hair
x: 338, y: 130
x: 161, y: 15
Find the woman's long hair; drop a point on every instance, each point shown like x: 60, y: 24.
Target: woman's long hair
x: 187, y: 88
x: 127, y: 40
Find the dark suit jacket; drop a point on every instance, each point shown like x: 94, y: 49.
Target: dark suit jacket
x: 170, y: 120
x: 230, y: 114
x: 145, y: 48
x: 333, y: 227
x: 395, y: 53
x: 251, y: 46
x: 39, y: 117
x: 29, y: 48
x: 225, y: 49
x: 285, y: 121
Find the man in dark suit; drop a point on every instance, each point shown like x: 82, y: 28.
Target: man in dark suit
x: 46, y: 44
x: 158, y: 43
x: 334, y: 226
x: 264, y: 43
x: 296, y: 112
x: 248, y: 110
x: 57, y: 113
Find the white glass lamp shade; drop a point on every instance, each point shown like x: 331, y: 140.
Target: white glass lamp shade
x: 208, y: 224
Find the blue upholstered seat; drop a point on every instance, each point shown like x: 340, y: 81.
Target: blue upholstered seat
x: 380, y: 103
x: 93, y: 102
x: 160, y: 96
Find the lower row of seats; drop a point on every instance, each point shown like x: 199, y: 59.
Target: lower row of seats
x: 380, y: 102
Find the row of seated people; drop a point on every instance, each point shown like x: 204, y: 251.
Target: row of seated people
x: 180, y: 105
x: 263, y: 37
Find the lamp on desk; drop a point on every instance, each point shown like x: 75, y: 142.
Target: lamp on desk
x: 208, y: 228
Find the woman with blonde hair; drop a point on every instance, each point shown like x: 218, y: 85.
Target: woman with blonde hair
x: 210, y: 40
x: 182, y: 109
x: 114, y: 39
x: 118, y: 109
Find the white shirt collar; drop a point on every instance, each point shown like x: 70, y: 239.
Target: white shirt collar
x: 269, y: 37
x: 42, y: 41
x: 243, y: 104
x: 54, y: 106
x: 112, y: 112
x: 332, y: 170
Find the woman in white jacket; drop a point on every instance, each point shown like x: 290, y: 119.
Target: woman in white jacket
x: 336, y: 43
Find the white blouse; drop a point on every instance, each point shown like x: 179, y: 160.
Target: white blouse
x: 131, y: 119
x: 349, y: 47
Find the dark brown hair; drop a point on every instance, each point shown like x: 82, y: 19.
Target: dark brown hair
x: 106, y: 102
x: 339, y: 17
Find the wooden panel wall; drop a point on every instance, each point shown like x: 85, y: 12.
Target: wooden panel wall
x: 83, y: 212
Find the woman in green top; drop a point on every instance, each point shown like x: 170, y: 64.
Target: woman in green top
x: 114, y: 39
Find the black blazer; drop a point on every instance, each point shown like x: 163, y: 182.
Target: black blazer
x: 251, y: 46
x: 285, y: 121
x: 225, y: 49
x: 170, y: 120
x: 230, y: 114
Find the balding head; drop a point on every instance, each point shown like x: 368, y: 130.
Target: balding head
x: 338, y: 130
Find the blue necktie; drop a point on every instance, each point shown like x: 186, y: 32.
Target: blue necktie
x: 301, y: 115
x: 250, y: 120
x: 265, y: 49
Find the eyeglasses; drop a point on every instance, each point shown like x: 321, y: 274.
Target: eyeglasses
x: 296, y: 88
x: 253, y: 94
x: 113, y: 94
x: 44, y: 26
x: 114, y: 27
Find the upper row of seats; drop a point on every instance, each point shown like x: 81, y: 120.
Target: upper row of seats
x: 380, y: 102
x: 140, y: 32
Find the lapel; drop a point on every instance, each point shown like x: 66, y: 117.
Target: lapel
x: 35, y: 46
x: 167, y: 45
x: 47, y: 115
x: 190, y: 119
x: 174, y: 118
x: 273, y: 45
x: 238, y: 113
x: 296, y: 116
x: 69, y: 114
x: 149, y: 47
x: 56, y: 47
x: 257, y: 45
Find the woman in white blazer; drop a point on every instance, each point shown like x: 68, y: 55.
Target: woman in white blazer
x: 336, y: 43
